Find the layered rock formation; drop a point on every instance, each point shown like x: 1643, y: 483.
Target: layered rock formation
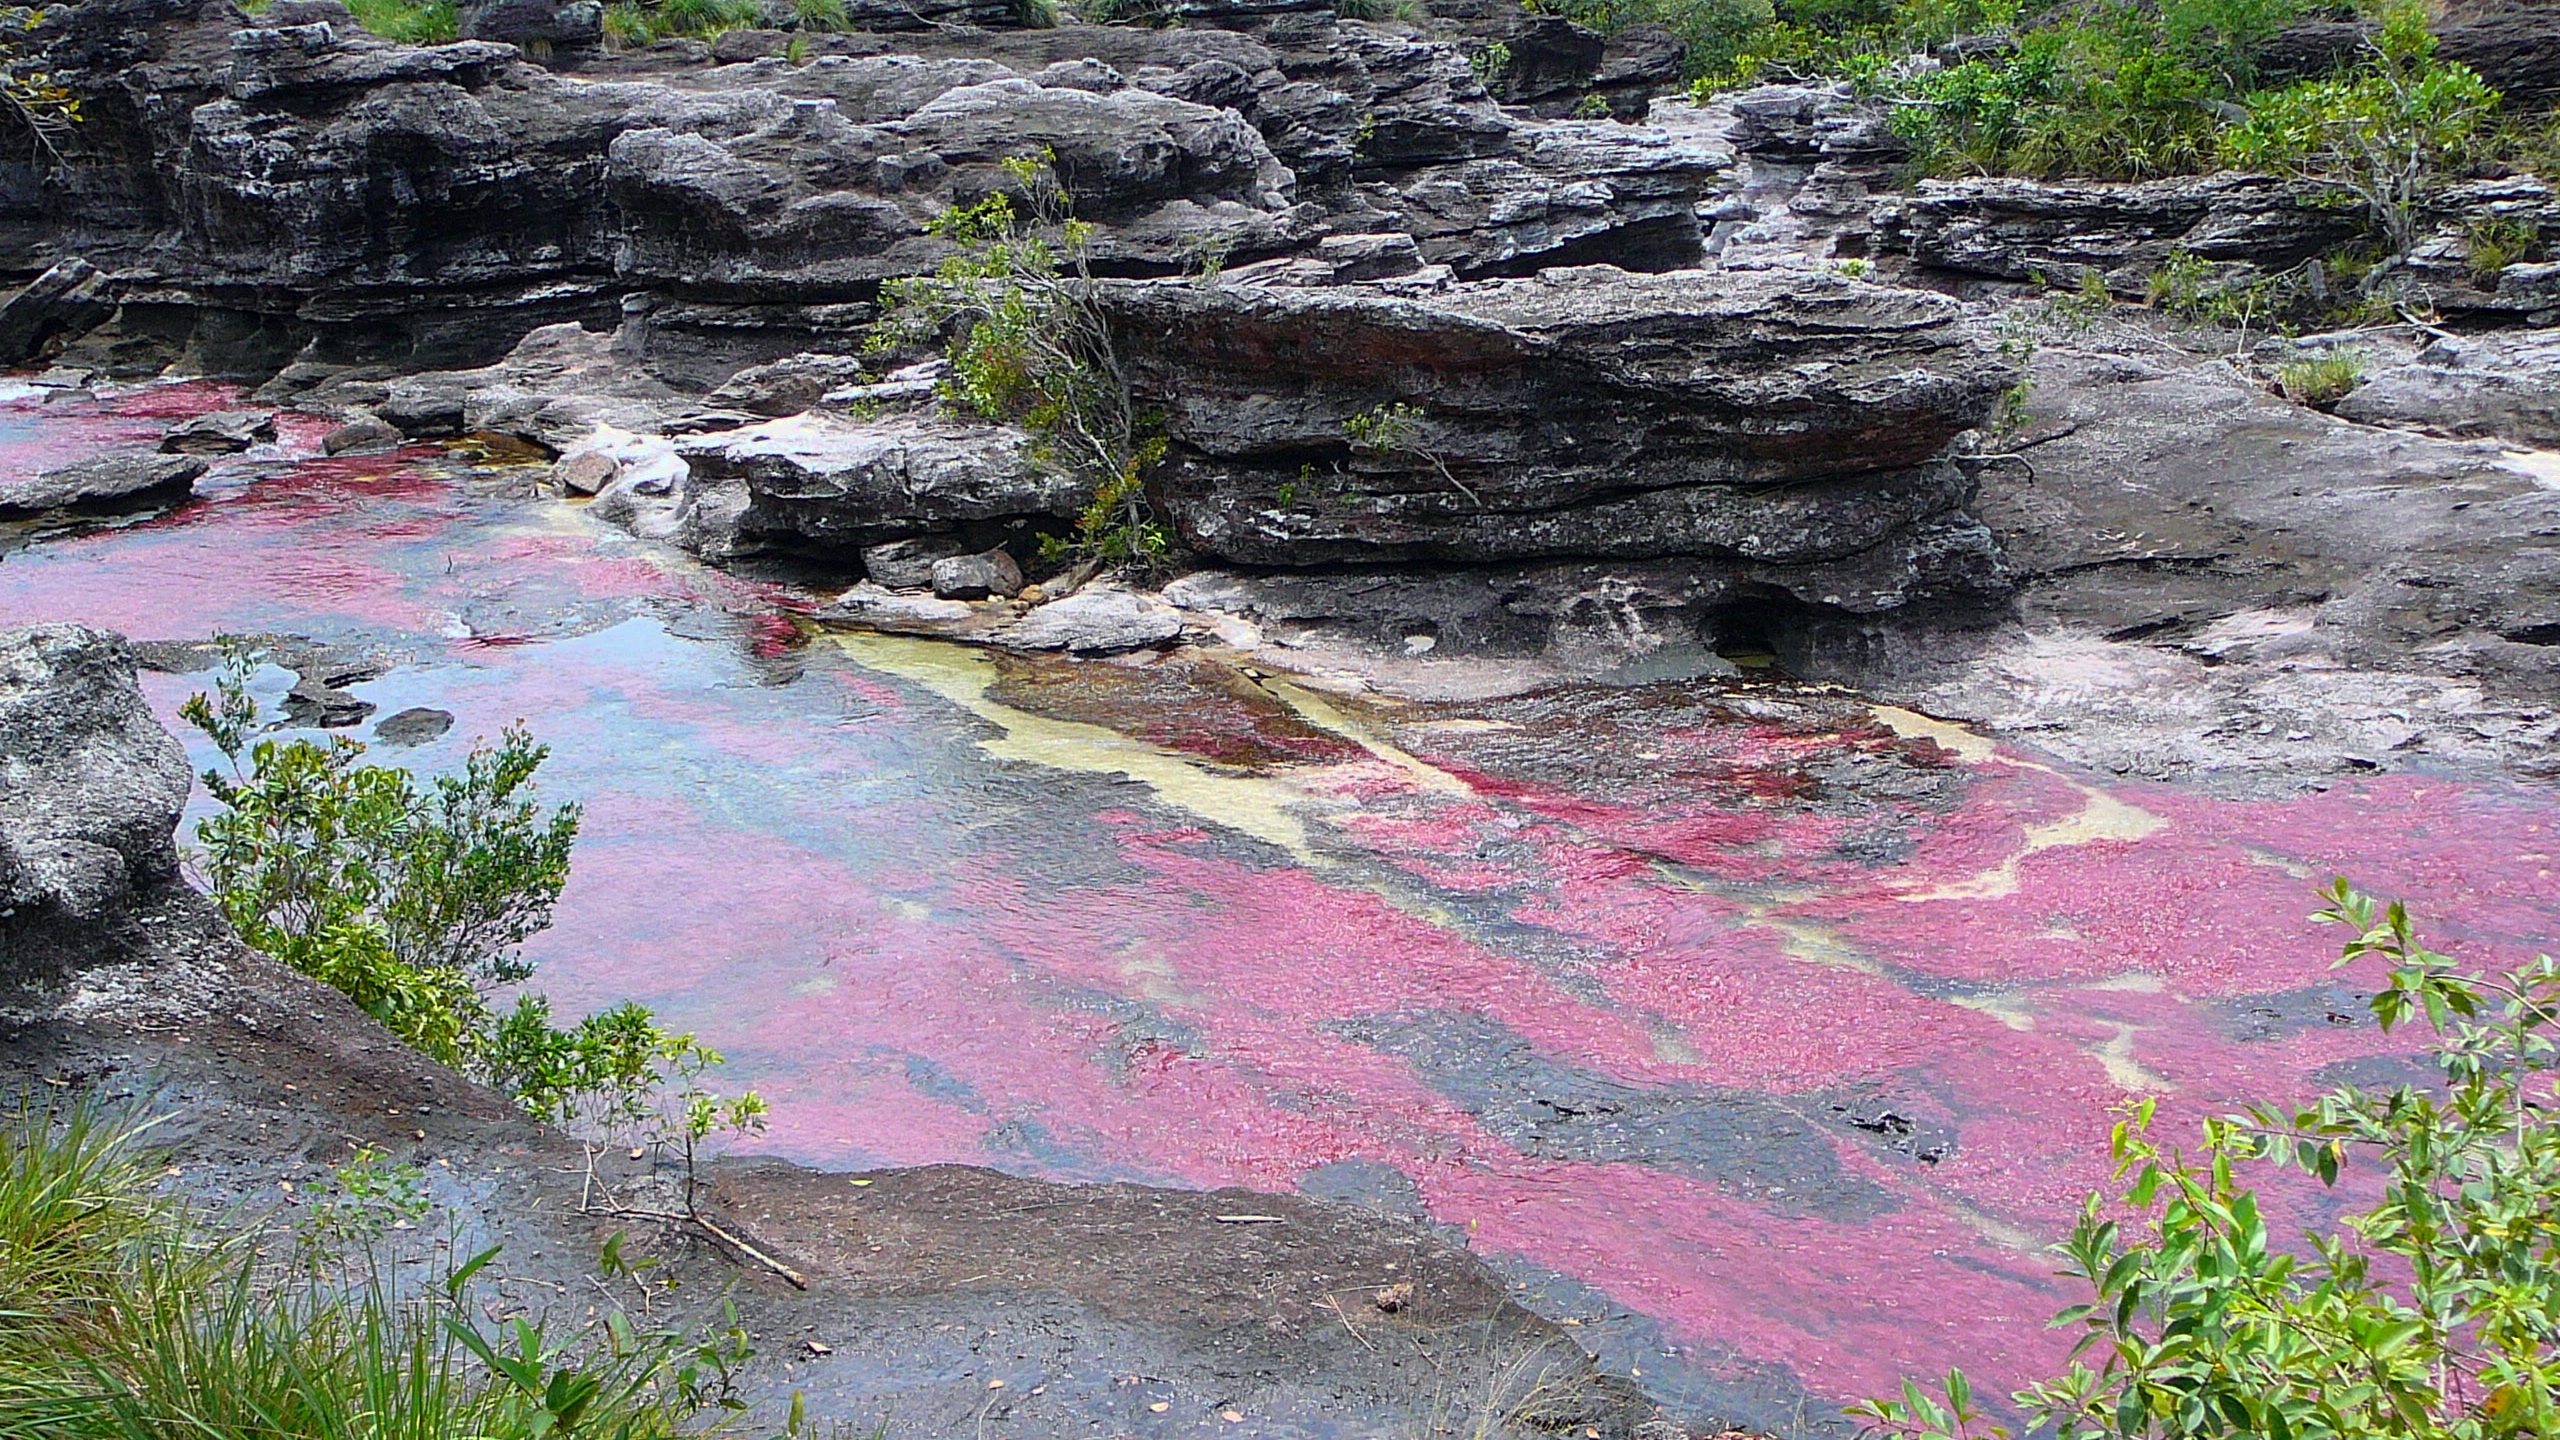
x: 90, y: 790
x: 428, y: 206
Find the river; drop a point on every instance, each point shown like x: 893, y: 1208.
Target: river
x: 1766, y: 1035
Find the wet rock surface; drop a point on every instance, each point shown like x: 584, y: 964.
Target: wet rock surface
x: 268, y: 1077
x: 108, y: 482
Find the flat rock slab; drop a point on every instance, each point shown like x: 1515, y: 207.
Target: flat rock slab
x: 1098, y: 620
x: 110, y: 481
x: 2502, y: 386
x: 224, y: 432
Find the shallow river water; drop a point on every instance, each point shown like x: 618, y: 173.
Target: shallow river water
x: 1764, y: 1035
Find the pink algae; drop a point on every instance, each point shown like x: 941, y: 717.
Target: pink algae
x: 921, y: 953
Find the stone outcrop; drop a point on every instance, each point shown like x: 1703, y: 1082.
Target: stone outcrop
x: 2505, y: 387
x: 2031, y: 230
x: 64, y: 303
x: 426, y: 206
x: 90, y: 790
x: 107, y: 482
x: 832, y: 485
x: 1769, y: 421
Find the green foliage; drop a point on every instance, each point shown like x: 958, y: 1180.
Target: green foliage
x: 411, y: 902
x: 433, y: 23
x: 75, y: 1194
x: 642, y: 22
x: 1019, y: 317
x: 2325, y: 380
x: 1378, y: 9
x: 2106, y: 88
x: 2432, y: 1315
x: 415, y: 902
x: 2491, y: 245
x: 40, y: 109
x: 819, y: 15
x: 1397, y: 429
x: 1489, y: 63
x: 153, y: 1328
x: 2385, y: 133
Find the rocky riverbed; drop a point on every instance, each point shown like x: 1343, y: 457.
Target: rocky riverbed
x: 1678, y: 857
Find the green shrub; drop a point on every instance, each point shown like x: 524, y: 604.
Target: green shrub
x: 434, y: 23
x: 2385, y: 133
x: 2434, y: 1314
x: 411, y: 902
x: 819, y: 15
x: 2108, y: 88
x: 1020, y: 319
x: 414, y: 903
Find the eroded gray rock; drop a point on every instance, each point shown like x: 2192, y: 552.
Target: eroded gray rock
x: 62, y: 304
x: 2057, y: 232
x: 108, y: 482
x: 1099, y: 619
x: 90, y: 790
x: 976, y: 577
x: 1770, y: 420
x: 2501, y: 385
x: 820, y: 482
x: 222, y: 432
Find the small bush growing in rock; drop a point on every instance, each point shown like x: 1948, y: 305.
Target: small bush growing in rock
x: 2387, y: 133
x: 2323, y: 381
x: 2432, y: 1315
x: 1019, y: 317
x: 415, y: 902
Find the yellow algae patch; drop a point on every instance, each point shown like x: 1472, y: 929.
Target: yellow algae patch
x: 2101, y: 816
x: 1814, y: 944
x: 2128, y: 1073
x: 1972, y: 749
x: 1319, y: 712
x: 2009, y: 1010
x: 1259, y: 806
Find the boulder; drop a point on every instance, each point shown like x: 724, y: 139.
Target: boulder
x: 1763, y: 419
x: 1099, y: 619
x: 2057, y: 232
x: 545, y: 30
x: 908, y: 564
x: 556, y: 386
x: 873, y: 608
x: 976, y: 577
x: 90, y: 790
x: 60, y: 305
x: 108, y: 482
x: 2504, y: 386
x: 789, y: 385
x: 363, y: 433
x: 222, y: 432
x: 820, y: 483
x: 414, y: 726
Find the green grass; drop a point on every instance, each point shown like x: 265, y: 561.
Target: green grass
x: 75, y: 1195
x: 2324, y: 381
x: 122, y: 1318
x: 431, y: 24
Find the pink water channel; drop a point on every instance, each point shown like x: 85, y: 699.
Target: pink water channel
x: 1702, y: 1075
